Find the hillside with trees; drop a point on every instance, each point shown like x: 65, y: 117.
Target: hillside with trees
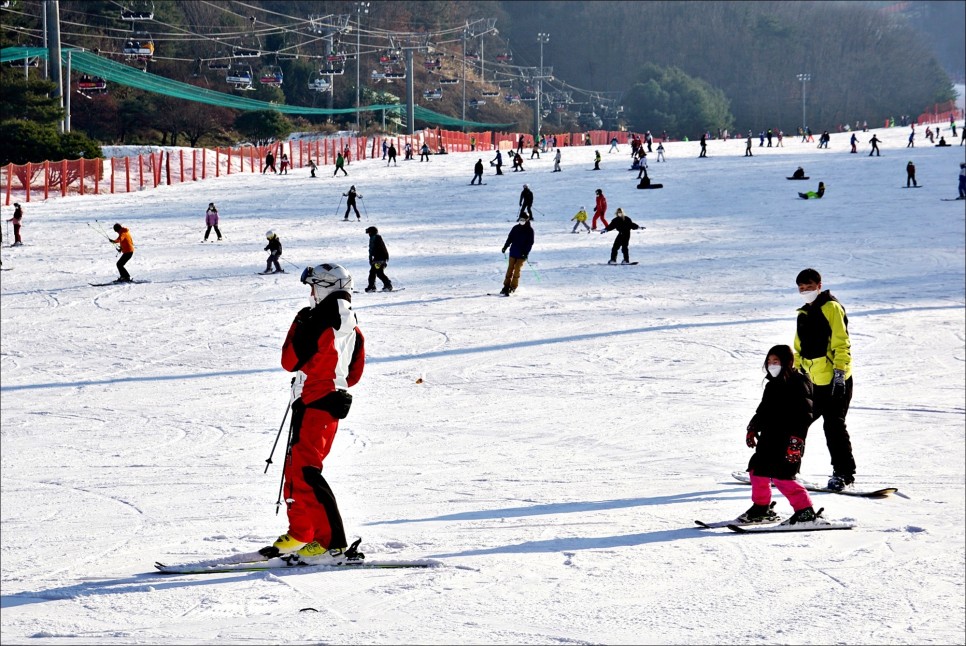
x: 683, y: 67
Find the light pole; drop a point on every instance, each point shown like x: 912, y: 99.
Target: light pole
x: 542, y: 38
x: 361, y: 8
x: 804, y: 78
x: 466, y: 30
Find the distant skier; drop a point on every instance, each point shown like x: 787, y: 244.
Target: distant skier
x: 596, y: 160
x: 269, y: 163
x: 911, y: 174
x: 875, y: 145
x: 392, y: 155
x: 580, y: 219
x: 312, y: 166
x: 424, y: 152
x: 378, y: 259
x: 519, y: 241
x: 600, y: 209
x: 339, y: 165
x: 962, y: 178
x: 125, y: 244
x: 613, y: 146
x: 912, y: 137
x: 799, y: 173
x: 853, y: 141
x: 814, y: 195
x: 748, y: 147
x: 477, y: 173
x: 660, y: 151
x: 704, y: 144
x: 642, y: 165
x: 556, y: 159
x: 517, y: 162
x: 350, y: 203
x: 17, y: 220
x: 274, y: 249
x: 283, y: 165
x: 498, y: 162
x: 623, y: 225
x: 211, y: 221
x: 526, y: 202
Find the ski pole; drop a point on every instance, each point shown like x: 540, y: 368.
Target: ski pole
x: 269, y: 460
x: 100, y: 231
x: 281, y: 482
x: 291, y: 263
x: 365, y: 210
x: 338, y: 208
x: 535, y: 272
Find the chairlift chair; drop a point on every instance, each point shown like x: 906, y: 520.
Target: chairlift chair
x: 141, y: 11
x: 448, y: 81
x: 91, y: 85
x: 245, y: 52
x: 433, y: 95
x: 490, y: 93
x: 319, y: 85
x: 215, y: 64
x: 475, y: 103
x: 239, y: 76
x: 332, y: 70
x: 271, y: 76
x: 140, y: 46
x: 505, y: 57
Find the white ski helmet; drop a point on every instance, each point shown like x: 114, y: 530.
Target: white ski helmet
x: 269, y: 234
x: 326, y: 279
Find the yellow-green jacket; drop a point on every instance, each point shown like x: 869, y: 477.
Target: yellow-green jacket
x: 580, y: 217
x: 822, y: 342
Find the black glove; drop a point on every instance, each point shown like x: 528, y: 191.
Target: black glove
x: 504, y: 249
x: 796, y: 446
x: 305, y: 339
x: 838, y: 384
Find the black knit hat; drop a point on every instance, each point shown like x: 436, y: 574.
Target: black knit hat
x: 372, y: 230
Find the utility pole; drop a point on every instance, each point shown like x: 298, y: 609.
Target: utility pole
x: 542, y: 38
x: 55, y: 73
x: 804, y: 78
x: 361, y: 8
x: 410, y: 43
x: 466, y: 30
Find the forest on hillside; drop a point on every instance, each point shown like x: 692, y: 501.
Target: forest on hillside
x: 681, y: 66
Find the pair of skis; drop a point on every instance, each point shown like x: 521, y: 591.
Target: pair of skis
x: 256, y: 562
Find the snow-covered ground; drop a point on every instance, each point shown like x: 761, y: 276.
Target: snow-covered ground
x: 561, y: 442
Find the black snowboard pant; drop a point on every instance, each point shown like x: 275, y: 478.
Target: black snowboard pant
x: 833, y: 412
x: 352, y: 205
x: 621, y: 242
x: 208, y: 231
x: 378, y: 270
x: 123, y: 261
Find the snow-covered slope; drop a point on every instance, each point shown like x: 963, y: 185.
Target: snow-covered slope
x: 561, y: 441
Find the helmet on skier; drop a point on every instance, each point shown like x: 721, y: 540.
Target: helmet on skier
x: 326, y: 279
x: 269, y: 234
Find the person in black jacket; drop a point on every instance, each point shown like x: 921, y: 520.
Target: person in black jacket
x: 519, y: 242
x: 623, y: 225
x: 477, y: 173
x: 378, y: 259
x: 777, y: 433
x: 526, y: 202
x: 274, y: 247
x: 350, y: 203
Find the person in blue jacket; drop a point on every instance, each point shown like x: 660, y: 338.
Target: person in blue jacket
x: 519, y: 242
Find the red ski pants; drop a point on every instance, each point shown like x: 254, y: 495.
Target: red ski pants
x: 602, y: 219
x: 313, y: 514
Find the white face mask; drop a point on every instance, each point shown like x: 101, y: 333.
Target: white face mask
x: 774, y: 370
x: 809, y: 296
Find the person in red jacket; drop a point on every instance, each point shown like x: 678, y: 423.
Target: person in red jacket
x: 599, y: 210
x: 326, y: 351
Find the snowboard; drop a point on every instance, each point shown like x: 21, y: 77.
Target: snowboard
x: 129, y: 282
x: 626, y: 264
x: 268, y: 273
x: 798, y: 178
x: 378, y: 291
x: 952, y: 199
x: 651, y: 186
x: 742, y: 476
x: 919, y: 186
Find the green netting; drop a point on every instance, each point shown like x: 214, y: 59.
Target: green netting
x: 114, y: 72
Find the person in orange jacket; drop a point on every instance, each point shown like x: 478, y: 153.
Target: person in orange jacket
x: 126, y: 246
